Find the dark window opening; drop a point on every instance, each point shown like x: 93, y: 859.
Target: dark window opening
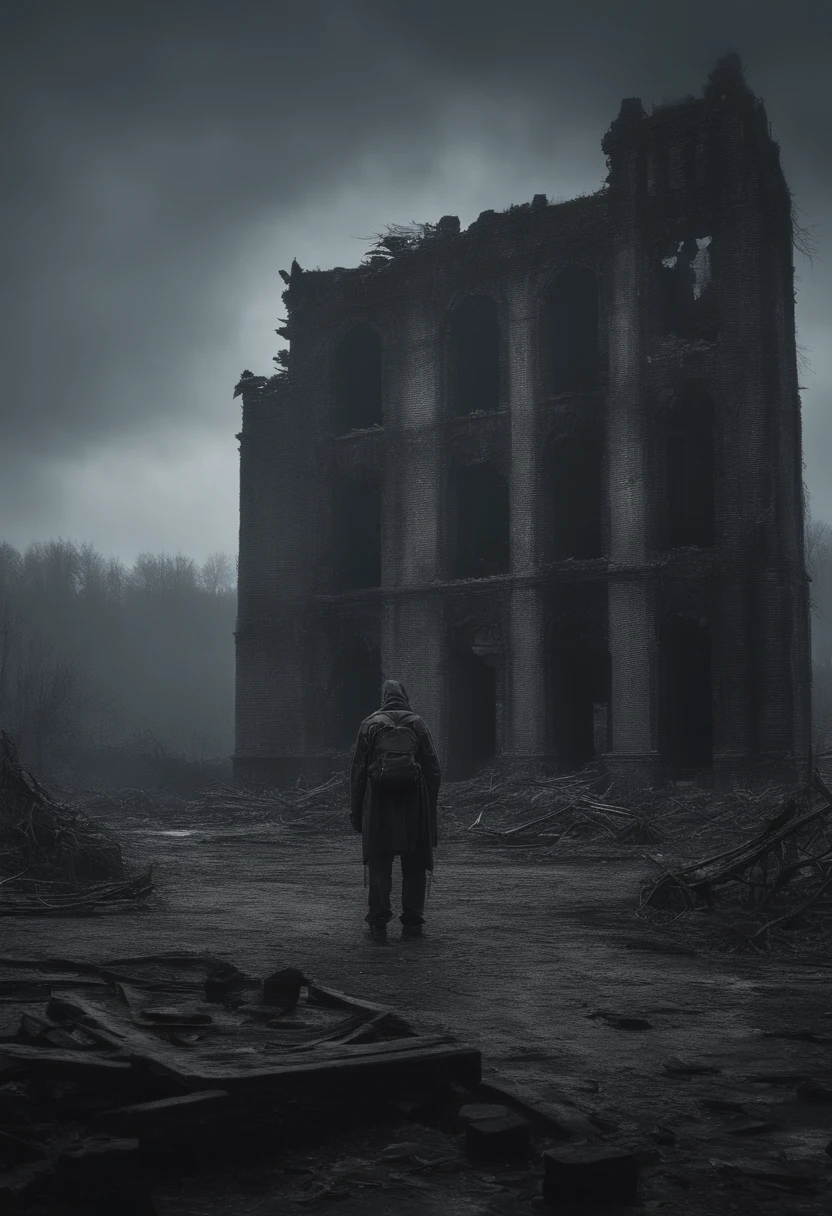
x: 577, y: 484
x: 482, y: 522
x: 688, y: 712
x: 690, y: 473
x: 358, y: 381
x: 357, y: 535
x: 360, y: 689
x: 688, y: 294
x: 572, y: 323
x: 474, y: 726
x: 580, y: 691
x: 475, y: 356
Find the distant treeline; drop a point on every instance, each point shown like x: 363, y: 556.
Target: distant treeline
x: 94, y: 654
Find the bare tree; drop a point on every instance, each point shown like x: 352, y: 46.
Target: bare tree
x: 91, y: 651
x: 217, y: 574
x: 46, y: 702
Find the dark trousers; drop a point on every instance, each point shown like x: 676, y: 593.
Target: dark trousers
x: 414, y: 880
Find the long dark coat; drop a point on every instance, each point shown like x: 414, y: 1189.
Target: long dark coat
x: 401, y: 821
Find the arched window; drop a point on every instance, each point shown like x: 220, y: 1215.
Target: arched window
x: 357, y: 368
x: 482, y: 516
x: 571, y: 331
x: 475, y: 356
x: 357, y: 534
x: 690, y: 472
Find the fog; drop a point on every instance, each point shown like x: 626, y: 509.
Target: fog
x: 165, y: 160
x: 96, y: 658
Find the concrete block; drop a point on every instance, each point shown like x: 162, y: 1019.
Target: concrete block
x: 589, y: 1175
x: 497, y: 1139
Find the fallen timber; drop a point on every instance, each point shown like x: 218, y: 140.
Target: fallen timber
x: 149, y: 1056
x: 54, y: 859
x: 784, y: 868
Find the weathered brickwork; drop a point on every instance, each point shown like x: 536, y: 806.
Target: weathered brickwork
x: 608, y: 559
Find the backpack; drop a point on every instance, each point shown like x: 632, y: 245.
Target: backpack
x: 393, y: 764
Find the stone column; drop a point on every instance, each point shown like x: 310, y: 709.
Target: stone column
x: 526, y: 675
x: 761, y: 662
x: 413, y: 644
x: 270, y: 704
x: 634, y: 757
x: 784, y: 655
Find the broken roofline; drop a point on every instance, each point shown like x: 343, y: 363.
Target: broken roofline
x: 726, y: 82
x: 487, y: 225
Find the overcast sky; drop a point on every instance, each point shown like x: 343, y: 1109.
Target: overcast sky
x: 165, y: 159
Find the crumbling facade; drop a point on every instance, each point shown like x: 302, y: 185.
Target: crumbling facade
x: 548, y: 473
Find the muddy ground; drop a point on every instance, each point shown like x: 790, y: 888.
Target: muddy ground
x: 517, y: 954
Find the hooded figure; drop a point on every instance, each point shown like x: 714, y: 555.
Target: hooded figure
x: 396, y: 821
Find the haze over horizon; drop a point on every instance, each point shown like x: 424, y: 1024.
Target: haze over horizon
x: 168, y: 158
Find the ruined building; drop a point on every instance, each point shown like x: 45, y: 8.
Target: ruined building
x: 547, y: 471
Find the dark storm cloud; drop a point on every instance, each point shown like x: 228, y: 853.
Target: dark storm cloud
x: 152, y: 146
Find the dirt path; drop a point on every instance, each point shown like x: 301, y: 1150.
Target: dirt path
x: 516, y: 955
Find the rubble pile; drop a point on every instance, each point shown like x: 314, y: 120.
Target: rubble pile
x: 772, y: 886
x: 300, y: 806
x: 527, y: 810
x: 519, y: 808
x: 182, y: 1049
x: 54, y: 859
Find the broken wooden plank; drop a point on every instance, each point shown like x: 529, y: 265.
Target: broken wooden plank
x: 120, y: 1035
x: 336, y: 1050
x: 339, y: 1031
x: 366, y: 1033
x: 364, y: 1067
x: 351, y: 1030
x: 176, y: 1017
x: 113, y: 1031
x: 73, y: 1064
x: 319, y: 994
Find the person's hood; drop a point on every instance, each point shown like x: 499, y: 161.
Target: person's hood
x: 394, y: 696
